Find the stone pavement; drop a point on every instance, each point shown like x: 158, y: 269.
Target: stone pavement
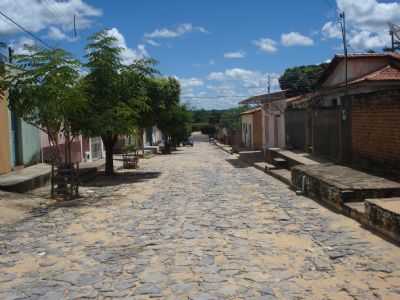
x: 193, y: 225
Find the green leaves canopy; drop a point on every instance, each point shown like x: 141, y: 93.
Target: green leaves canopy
x: 45, y: 90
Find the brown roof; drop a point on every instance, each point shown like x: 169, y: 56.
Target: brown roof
x: 251, y: 111
x: 338, y: 57
x: 388, y: 73
x: 265, y: 98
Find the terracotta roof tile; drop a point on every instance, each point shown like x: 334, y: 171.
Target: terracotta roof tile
x: 388, y: 73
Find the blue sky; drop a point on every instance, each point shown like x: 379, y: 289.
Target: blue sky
x: 219, y: 50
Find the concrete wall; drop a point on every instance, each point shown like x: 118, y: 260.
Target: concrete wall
x: 376, y: 130
x: 257, y: 130
x: 5, y: 163
x: 30, y: 144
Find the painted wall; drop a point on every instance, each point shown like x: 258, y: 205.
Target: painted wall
x: 30, y: 141
x: 152, y: 136
x: 274, y: 131
x: 5, y: 159
x: 357, y: 67
x: 247, y: 130
x: 78, y: 148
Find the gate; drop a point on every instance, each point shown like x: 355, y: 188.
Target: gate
x: 296, y: 129
x: 326, y: 133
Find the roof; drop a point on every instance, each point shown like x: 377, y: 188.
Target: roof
x: 265, y: 98
x: 388, y: 73
x: 338, y: 57
x: 251, y: 111
x: 300, y: 101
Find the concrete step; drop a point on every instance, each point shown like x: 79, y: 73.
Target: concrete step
x: 384, y: 216
x: 280, y: 162
x: 282, y: 175
x: 269, y: 167
x: 356, y: 210
x: 26, y: 179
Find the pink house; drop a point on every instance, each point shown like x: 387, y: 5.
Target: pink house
x: 82, y: 149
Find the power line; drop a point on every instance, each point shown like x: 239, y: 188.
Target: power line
x: 26, y: 30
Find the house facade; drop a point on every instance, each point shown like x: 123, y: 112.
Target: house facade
x: 272, y: 115
x: 251, y: 129
x: 338, y: 110
x: 354, y: 123
x: 5, y: 153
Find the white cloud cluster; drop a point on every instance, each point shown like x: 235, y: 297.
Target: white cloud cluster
x: 367, y: 22
x: 226, y: 88
x: 233, y: 55
x: 296, y: 39
x: 128, y: 55
x: 168, y: 33
x: 266, y: 45
x: 19, y: 46
x: 39, y: 15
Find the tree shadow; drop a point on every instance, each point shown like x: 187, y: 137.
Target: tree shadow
x: 237, y: 163
x: 120, y: 178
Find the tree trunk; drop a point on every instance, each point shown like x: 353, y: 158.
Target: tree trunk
x: 141, y: 132
x: 109, y: 142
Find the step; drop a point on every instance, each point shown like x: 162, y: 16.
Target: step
x: 282, y: 175
x: 269, y: 167
x: 280, y: 162
x: 356, y: 210
x: 384, y: 216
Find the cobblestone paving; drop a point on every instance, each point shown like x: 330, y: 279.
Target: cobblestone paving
x: 194, y: 225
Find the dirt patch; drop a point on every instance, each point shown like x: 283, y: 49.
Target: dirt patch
x: 16, y: 207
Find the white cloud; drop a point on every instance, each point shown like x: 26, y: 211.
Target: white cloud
x: 266, y: 45
x: 296, y: 39
x: 226, y: 88
x: 19, y: 46
x: 331, y: 30
x: 57, y: 34
x: 128, y: 55
x: 367, y: 22
x: 180, y: 30
x: 190, y: 82
x: 233, y: 55
x: 153, y: 43
x: 38, y: 15
x: 368, y: 40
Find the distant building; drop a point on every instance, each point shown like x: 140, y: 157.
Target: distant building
x: 252, y: 131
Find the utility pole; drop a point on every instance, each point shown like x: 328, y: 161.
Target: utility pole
x: 395, y: 36
x: 75, y: 33
x: 269, y: 84
x: 344, y: 36
x: 344, y: 124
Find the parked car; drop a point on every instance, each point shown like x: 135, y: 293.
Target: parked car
x: 188, y: 142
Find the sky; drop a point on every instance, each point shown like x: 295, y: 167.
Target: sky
x: 221, y: 51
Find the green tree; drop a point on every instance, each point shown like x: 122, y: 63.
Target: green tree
x: 116, y: 94
x: 169, y: 115
x: 303, y: 79
x: 230, y: 119
x: 46, y: 92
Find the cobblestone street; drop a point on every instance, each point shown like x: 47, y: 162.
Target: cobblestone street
x: 194, y: 225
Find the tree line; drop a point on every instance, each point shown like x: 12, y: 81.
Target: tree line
x: 58, y: 94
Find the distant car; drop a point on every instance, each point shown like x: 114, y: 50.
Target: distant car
x: 188, y: 142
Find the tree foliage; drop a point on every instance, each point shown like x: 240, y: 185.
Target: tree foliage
x: 116, y: 94
x: 46, y: 92
x: 303, y: 79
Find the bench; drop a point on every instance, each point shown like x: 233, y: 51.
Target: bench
x: 129, y: 161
